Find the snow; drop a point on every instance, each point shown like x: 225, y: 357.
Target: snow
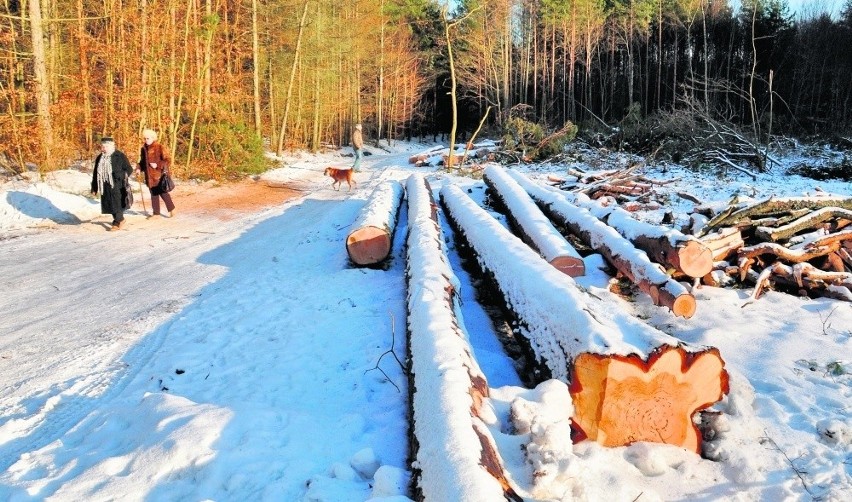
x: 244, y: 359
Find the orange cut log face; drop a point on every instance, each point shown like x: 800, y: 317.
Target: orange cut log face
x: 619, y: 400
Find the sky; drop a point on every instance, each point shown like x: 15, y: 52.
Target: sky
x: 245, y: 358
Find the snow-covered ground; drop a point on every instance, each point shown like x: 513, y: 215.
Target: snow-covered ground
x: 198, y: 358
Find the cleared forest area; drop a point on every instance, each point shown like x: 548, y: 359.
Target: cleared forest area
x: 698, y: 81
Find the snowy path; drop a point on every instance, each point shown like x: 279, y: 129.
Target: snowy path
x: 223, y: 320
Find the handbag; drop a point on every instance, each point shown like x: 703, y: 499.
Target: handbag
x: 126, y: 194
x: 166, y: 183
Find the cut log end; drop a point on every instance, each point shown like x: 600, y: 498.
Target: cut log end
x: 677, y: 299
x: 684, y: 306
x: 569, y: 265
x: 619, y: 400
x: 695, y: 259
x: 368, y: 245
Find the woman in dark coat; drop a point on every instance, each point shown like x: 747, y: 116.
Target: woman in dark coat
x: 110, y: 179
x: 154, y: 160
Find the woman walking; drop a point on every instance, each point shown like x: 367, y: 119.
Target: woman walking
x: 109, y: 178
x: 154, y: 161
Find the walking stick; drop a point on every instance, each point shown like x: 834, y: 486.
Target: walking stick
x: 141, y: 193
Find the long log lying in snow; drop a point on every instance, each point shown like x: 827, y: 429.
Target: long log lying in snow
x: 629, y: 381
x: 453, y: 453
x: 531, y: 224
x: 618, y: 251
x: 666, y: 246
x: 371, y: 239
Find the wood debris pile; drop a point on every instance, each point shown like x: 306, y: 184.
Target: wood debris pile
x: 801, y: 245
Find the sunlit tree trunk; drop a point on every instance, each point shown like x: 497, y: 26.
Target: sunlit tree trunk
x: 255, y: 53
x: 42, y: 88
x: 288, y: 99
x: 83, y: 43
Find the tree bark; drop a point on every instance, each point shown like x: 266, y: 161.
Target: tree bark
x: 42, y: 87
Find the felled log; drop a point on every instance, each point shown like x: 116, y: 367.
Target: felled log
x: 371, y: 239
x: 672, y: 249
x: 618, y: 251
x: 453, y: 455
x: 629, y: 381
x: 809, y: 221
x: 531, y: 224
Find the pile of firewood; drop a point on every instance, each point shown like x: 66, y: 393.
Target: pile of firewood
x: 800, y: 245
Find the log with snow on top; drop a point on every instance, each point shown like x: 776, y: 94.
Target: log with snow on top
x: 666, y: 246
x: 628, y: 381
x: 454, y: 456
x: 371, y: 239
x: 532, y: 225
x: 633, y: 263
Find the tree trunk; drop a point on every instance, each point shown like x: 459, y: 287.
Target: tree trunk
x: 83, y: 43
x: 255, y: 70
x: 531, y: 224
x: 42, y: 87
x: 287, y: 101
x: 446, y: 402
x: 371, y: 239
x: 618, y: 251
x: 645, y: 387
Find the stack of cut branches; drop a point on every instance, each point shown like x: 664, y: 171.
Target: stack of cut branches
x: 633, y: 191
x: 799, y: 245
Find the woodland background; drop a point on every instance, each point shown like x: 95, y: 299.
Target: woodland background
x: 224, y: 79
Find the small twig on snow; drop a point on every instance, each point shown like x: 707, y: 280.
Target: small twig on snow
x: 798, y: 472
x: 389, y: 351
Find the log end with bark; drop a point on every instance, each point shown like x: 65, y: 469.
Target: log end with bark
x: 371, y: 239
x: 368, y: 245
x: 619, y: 400
x: 693, y: 258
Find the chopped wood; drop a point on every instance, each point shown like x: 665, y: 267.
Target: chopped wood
x: 791, y: 255
x: 531, y: 225
x: 809, y: 221
x: 724, y: 243
x: 628, y: 189
x: 645, y: 387
x: 454, y: 456
x: 631, y: 400
x: 689, y: 197
x: 371, y: 239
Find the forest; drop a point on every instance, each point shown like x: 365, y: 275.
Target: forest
x: 225, y: 80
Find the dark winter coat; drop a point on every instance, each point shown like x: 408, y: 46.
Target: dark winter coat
x: 111, y: 199
x: 158, y: 154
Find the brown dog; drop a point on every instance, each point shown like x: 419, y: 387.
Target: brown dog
x: 339, y: 176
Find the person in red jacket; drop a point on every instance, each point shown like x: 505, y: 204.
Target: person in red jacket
x: 154, y: 161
